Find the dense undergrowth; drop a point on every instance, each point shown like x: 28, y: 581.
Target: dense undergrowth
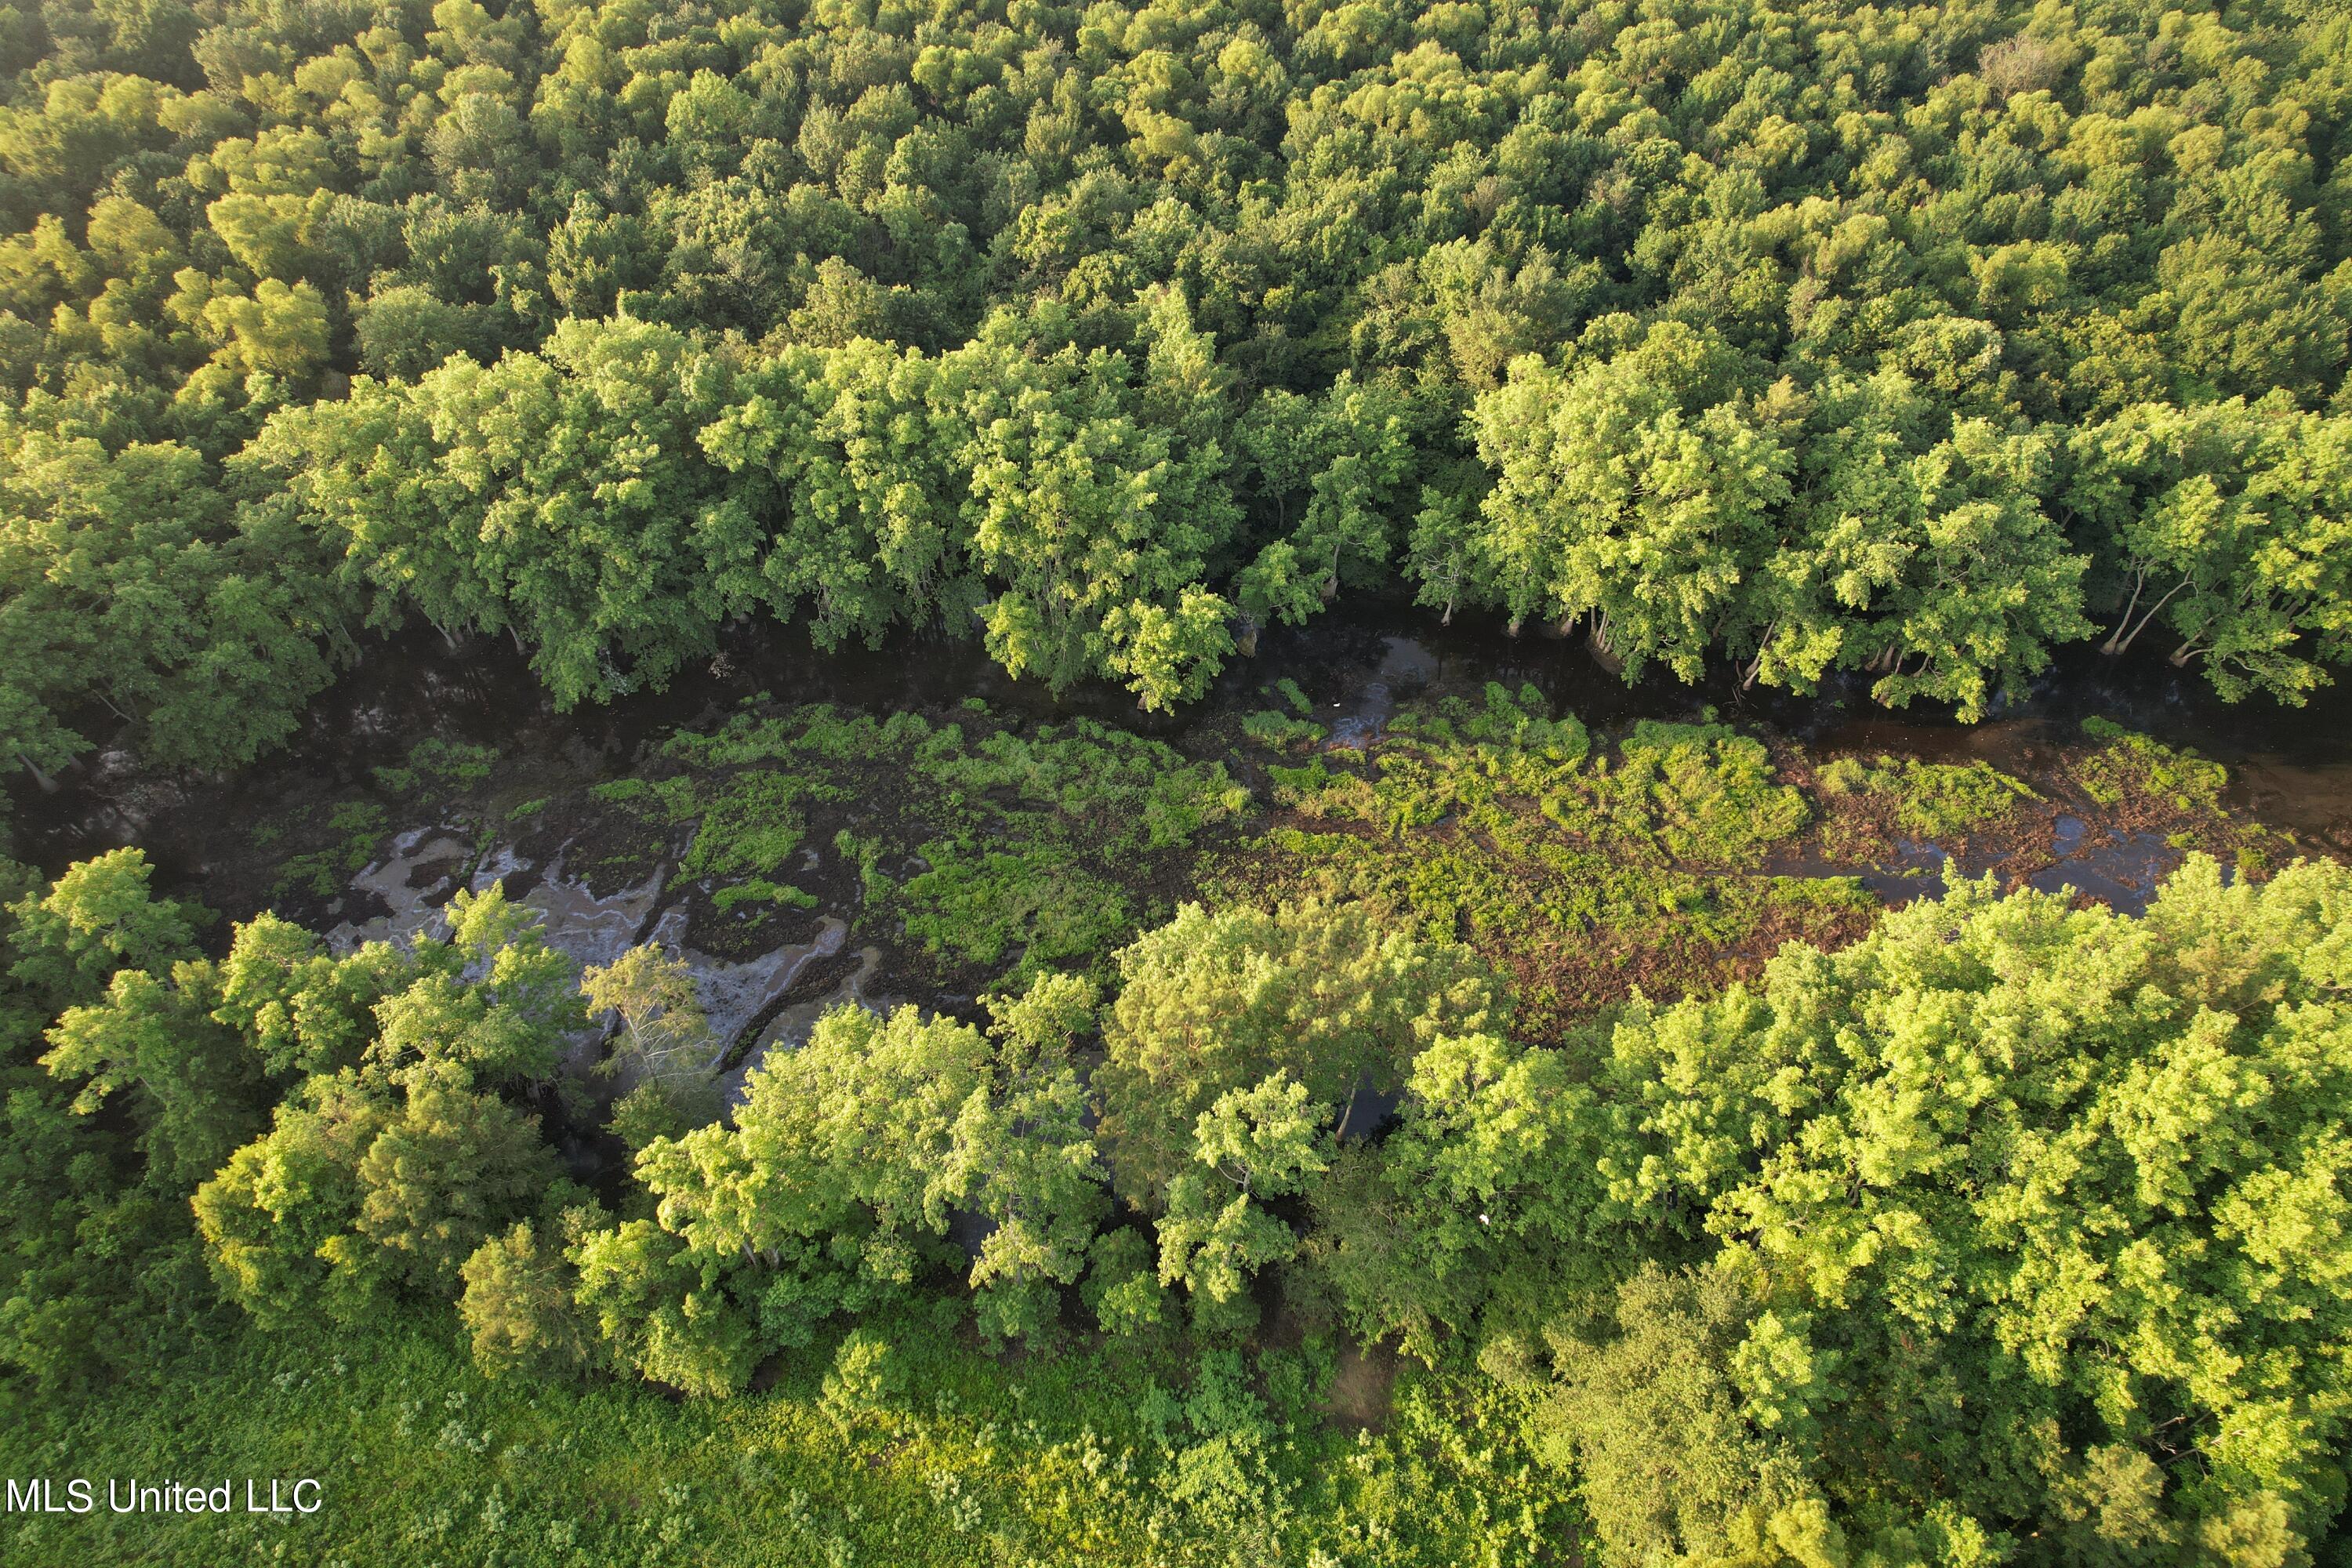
x: 926, y: 1453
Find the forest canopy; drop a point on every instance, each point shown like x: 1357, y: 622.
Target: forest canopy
x: 1734, y: 1219
x: 1797, y: 339
x: 2013, y: 1233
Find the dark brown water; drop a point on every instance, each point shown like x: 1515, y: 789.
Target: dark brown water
x: 2291, y: 767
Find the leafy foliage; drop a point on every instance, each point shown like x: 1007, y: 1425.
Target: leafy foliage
x: 1915, y: 345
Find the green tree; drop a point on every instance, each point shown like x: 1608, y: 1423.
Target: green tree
x: 2228, y: 522
x: 492, y: 1003
x: 518, y: 1306
x: 1096, y: 528
x: 573, y: 480
x: 1209, y: 1004
x: 835, y: 1173
x: 1251, y: 1146
x: 663, y: 1308
x: 1634, y: 492
x: 1350, y: 452
x: 98, y: 919
x: 665, y: 1035
x: 128, y: 586
x: 1669, y: 1462
x: 2037, y: 1183
x: 196, y: 1085
x: 1021, y: 1157
x: 848, y: 491
x: 1988, y: 584
x: 1489, y: 1206
x: 301, y: 1009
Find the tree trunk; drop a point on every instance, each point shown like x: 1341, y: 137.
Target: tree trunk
x: 2184, y: 653
x: 1349, y: 1114
x: 1756, y: 665
x: 48, y: 786
x: 2124, y: 646
x: 2139, y: 580
x: 1598, y: 644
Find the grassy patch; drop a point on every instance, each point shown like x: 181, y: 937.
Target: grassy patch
x: 930, y: 1453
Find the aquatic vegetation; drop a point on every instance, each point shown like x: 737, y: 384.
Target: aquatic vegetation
x: 356, y: 827
x: 979, y: 852
x: 318, y: 849
x: 1281, y: 732
x: 1873, y: 806
x: 758, y: 892
x: 751, y: 823
x: 1582, y: 874
x: 2144, y: 786
x: 439, y: 766
x: 2129, y: 767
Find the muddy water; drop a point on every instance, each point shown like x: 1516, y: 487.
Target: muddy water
x: 2291, y: 768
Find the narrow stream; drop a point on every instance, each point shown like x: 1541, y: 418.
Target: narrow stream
x: 2291, y: 769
